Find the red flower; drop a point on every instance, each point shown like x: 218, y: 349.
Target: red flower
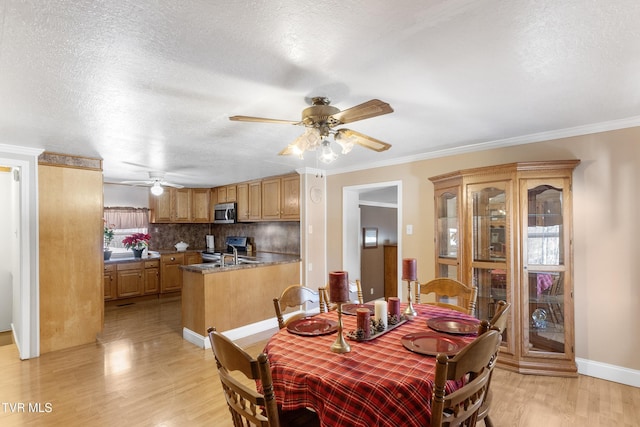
x: 136, y: 241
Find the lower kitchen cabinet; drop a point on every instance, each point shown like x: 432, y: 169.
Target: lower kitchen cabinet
x: 151, y: 277
x: 110, y: 288
x: 130, y: 279
x: 170, y: 272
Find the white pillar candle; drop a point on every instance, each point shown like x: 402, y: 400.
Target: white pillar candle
x: 381, y: 312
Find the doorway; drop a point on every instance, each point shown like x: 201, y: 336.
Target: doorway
x: 20, y: 266
x: 377, y: 195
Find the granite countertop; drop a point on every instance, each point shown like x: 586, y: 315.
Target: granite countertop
x: 129, y: 258
x: 263, y: 258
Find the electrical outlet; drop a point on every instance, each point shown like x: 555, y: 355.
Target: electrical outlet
x: 310, y: 267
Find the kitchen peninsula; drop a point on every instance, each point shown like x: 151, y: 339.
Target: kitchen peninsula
x: 234, y: 296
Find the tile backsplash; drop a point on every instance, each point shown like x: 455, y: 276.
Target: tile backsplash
x: 279, y: 237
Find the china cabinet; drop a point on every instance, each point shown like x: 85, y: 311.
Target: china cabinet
x: 507, y: 229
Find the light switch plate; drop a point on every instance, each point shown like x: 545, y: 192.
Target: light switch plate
x: 409, y: 229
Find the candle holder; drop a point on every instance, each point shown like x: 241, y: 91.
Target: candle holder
x: 409, y: 311
x: 340, y: 345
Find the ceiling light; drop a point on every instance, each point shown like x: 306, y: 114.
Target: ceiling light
x: 156, y: 189
x: 327, y: 155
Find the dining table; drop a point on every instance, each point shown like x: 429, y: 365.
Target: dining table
x: 386, y: 380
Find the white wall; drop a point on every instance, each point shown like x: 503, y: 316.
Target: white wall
x: 118, y: 195
x: 6, y: 291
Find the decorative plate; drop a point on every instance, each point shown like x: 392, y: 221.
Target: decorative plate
x: 453, y: 325
x: 431, y: 343
x: 351, y: 309
x: 312, y: 326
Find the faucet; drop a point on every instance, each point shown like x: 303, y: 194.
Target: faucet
x: 235, y: 256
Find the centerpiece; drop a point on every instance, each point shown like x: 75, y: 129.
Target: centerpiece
x: 137, y: 242
x: 108, y: 237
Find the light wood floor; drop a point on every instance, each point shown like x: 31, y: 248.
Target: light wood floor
x: 140, y: 372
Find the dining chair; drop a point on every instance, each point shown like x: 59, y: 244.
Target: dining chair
x: 355, y: 295
x: 474, y: 365
x: 246, y: 405
x: 293, y: 296
x: 497, y: 323
x: 466, y: 296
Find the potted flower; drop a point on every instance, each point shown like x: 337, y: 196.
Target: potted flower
x: 108, y: 237
x: 137, y: 242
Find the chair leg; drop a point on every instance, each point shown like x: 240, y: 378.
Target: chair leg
x: 487, y: 421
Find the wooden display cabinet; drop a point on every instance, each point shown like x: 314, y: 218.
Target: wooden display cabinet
x: 507, y: 230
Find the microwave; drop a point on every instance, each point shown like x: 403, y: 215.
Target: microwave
x: 224, y: 213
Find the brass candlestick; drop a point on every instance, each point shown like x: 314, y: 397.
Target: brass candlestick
x: 340, y: 345
x: 409, y: 311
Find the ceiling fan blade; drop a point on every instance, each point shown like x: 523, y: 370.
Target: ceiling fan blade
x: 366, y: 110
x: 364, y: 140
x: 170, y: 184
x: 138, y: 183
x: 262, y: 120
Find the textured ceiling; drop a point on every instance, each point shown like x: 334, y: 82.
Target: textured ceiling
x: 150, y: 84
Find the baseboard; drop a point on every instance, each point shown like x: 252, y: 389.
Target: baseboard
x: 238, y: 333
x: 609, y: 372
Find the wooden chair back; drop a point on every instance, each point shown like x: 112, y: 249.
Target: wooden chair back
x: 355, y: 295
x: 293, y: 296
x: 500, y: 317
x: 497, y: 323
x: 247, y: 406
x: 476, y: 360
x: 466, y: 296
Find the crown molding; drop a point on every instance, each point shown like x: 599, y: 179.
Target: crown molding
x: 500, y: 143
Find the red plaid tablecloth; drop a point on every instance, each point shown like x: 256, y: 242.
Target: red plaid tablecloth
x: 378, y: 383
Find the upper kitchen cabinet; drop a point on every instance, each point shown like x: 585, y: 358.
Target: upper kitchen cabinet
x: 200, y: 211
x: 281, y: 198
x: 226, y: 194
x: 180, y: 205
x: 508, y: 230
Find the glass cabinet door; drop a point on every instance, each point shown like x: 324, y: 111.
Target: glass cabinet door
x: 447, y: 233
x: 545, y: 247
x: 490, y: 222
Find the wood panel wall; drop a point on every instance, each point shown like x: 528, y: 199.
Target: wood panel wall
x: 71, y: 262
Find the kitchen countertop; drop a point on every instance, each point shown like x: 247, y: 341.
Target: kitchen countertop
x: 264, y: 258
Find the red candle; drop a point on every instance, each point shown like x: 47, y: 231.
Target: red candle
x: 409, y: 269
x: 363, y: 322
x: 394, y: 306
x: 339, y: 286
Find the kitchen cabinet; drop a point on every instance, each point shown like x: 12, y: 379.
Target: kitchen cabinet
x: 200, y: 211
x: 255, y: 200
x: 130, y: 279
x: 170, y: 273
x: 226, y: 194
x: 173, y: 205
x: 242, y: 200
x: 281, y: 198
x: 151, y: 277
x: 508, y: 230
x: 181, y: 204
x: 110, y: 288
x: 271, y: 193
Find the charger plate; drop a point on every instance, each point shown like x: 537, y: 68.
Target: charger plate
x: 453, y: 325
x: 431, y: 343
x: 312, y: 326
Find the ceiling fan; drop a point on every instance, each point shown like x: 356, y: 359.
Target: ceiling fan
x: 156, y: 182
x: 320, y: 120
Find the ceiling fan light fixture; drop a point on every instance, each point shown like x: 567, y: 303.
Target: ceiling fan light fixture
x: 327, y: 155
x: 345, y: 142
x: 156, y: 189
